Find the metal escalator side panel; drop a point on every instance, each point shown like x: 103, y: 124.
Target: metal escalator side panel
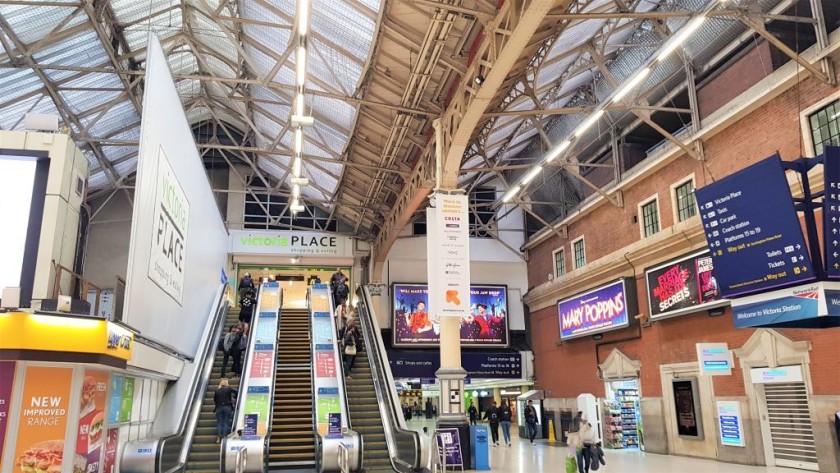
x: 166, y: 449
x: 242, y: 448
x: 393, y: 421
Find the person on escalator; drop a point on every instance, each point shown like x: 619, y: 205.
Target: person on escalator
x: 341, y: 292
x: 236, y: 351
x: 246, y: 309
x: 232, y: 339
x: 223, y: 398
x: 246, y: 283
x: 350, y: 340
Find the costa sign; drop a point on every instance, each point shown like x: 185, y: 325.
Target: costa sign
x: 682, y: 286
x: 599, y: 310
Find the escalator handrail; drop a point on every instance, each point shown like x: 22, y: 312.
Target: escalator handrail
x: 392, y: 421
x: 190, y: 417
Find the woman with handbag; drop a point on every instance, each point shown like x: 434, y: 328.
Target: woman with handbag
x: 350, y: 342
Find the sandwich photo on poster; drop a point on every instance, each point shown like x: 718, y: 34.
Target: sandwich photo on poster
x: 91, y: 432
x: 486, y: 324
x: 43, y: 420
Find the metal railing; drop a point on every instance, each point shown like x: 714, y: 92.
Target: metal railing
x: 408, y: 449
x: 169, y: 453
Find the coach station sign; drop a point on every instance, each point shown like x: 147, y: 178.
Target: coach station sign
x: 292, y: 243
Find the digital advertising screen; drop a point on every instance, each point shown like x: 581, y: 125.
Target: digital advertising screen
x: 23, y: 180
x: 486, y: 324
x: 682, y: 286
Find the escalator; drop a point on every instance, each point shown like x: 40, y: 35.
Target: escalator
x: 292, y: 442
x: 204, y: 451
x: 365, y: 416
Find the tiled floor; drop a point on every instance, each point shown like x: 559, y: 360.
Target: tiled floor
x: 523, y: 457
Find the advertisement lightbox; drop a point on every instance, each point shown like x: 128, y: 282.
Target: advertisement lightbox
x: 682, y: 286
x: 486, y: 323
x: 598, y: 310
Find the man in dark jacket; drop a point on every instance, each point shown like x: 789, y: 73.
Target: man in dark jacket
x: 492, y: 416
x: 473, y: 412
x: 531, y: 420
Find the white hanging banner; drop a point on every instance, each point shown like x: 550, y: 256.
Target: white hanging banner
x: 434, y: 309
x: 449, y: 261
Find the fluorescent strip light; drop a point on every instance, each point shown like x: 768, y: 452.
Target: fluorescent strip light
x: 510, y: 193
x: 588, y: 123
x: 296, y: 164
x: 303, y: 17
x: 554, y: 153
x: 296, y: 191
x: 680, y: 37
x: 299, y: 104
x: 632, y: 84
x: 534, y: 172
x: 298, y: 140
x: 300, y: 60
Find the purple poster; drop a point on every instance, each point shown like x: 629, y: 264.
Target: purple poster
x: 7, y: 378
x: 334, y: 425
x: 449, y: 443
x: 596, y: 311
x: 485, y: 325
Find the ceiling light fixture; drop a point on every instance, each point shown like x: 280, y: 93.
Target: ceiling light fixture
x: 298, y: 140
x: 681, y: 36
x: 479, y: 79
x: 511, y: 192
x: 299, y: 104
x: 636, y: 80
x: 303, y: 17
x: 296, y: 165
x: 296, y: 192
x: 300, y: 63
x: 557, y: 151
x: 534, y: 172
x: 588, y: 123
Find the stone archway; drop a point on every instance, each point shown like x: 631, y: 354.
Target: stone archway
x: 619, y: 366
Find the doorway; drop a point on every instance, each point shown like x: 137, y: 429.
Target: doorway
x: 786, y: 422
x: 294, y: 280
x: 622, y: 415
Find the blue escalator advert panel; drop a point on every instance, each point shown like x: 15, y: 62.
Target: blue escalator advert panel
x: 753, y: 231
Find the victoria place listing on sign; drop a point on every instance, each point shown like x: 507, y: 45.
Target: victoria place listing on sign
x: 290, y: 243
x: 169, y: 235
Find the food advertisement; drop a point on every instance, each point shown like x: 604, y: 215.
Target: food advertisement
x: 7, y: 379
x: 486, y: 323
x: 90, y: 435
x: 43, y: 420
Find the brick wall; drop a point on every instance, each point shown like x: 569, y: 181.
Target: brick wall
x: 569, y: 369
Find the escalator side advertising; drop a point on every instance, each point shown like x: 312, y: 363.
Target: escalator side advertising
x: 424, y: 364
x: 486, y: 323
x: 682, y: 286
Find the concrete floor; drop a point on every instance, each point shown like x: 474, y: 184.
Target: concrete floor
x: 522, y: 457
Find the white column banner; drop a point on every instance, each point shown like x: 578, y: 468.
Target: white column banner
x: 451, y: 259
x: 432, y: 258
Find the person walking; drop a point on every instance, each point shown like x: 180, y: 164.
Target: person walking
x: 531, y: 420
x: 492, y: 416
x: 473, y: 412
x: 231, y: 339
x: 588, y: 439
x: 350, y: 341
x: 223, y: 399
x: 428, y: 408
x: 506, y: 416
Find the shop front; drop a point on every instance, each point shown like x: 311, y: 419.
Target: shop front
x: 67, y: 393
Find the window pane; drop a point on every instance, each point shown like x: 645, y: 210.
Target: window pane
x: 650, y: 220
x: 825, y: 126
x: 686, y: 204
x: 560, y: 263
x: 580, y: 254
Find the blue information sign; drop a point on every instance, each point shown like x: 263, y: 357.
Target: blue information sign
x: 250, y: 424
x: 334, y: 426
x: 449, y: 444
x: 831, y: 211
x: 753, y: 230
x: 424, y: 364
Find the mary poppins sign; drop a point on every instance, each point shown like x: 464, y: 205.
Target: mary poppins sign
x: 599, y: 310
x: 685, y: 285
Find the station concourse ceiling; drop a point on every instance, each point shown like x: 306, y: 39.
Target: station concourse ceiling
x: 509, y: 78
